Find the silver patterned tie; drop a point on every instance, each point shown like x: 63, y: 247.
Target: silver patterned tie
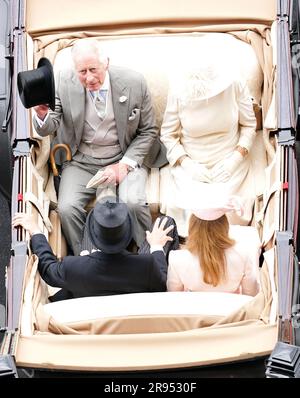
x: 99, y: 99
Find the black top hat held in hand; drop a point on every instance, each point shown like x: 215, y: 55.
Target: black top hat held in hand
x: 36, y: 87
x: 109, y: 225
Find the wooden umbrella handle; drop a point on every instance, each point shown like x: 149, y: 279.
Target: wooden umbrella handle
x: 66, y: 148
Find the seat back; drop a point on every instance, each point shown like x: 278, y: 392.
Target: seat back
x: 159, y: 58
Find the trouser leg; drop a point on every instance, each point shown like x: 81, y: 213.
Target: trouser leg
x: 72, y: 198
x: 132, y: 191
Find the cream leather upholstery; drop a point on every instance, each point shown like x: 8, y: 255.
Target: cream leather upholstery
x: 158, y: 58
x: 138, y: 304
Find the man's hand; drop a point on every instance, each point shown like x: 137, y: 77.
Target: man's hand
x: 113, y: 174
x: 159, y: 235
x: 116, y: 173
x: 196, y: 170
x: 224, y: 169
x: 41, y: 111
x: 27, y: 222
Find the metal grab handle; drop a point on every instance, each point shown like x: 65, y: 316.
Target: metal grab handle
x: 66, y: 148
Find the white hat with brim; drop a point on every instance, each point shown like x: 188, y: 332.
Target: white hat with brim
x: 206, y: 72
x: 215, y: 211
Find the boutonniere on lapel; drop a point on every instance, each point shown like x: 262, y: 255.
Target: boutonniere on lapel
x: 122, y: 99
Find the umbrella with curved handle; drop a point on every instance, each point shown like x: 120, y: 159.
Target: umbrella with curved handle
x: 56, y: 147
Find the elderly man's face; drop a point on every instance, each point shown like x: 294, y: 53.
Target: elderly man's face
x: 90, y: 71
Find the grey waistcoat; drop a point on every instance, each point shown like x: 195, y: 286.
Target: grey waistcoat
x: 100, y: 137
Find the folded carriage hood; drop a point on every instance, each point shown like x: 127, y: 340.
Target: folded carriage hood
x: 56, y: 15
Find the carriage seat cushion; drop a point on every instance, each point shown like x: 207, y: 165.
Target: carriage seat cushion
x: 143, y: 312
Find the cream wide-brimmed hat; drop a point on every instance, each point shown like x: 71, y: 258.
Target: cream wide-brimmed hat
x: 205, y: 72
x: 210, y: 211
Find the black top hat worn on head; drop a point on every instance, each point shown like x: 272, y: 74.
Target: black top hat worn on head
x: 36, y: 87
x: 109, y: 225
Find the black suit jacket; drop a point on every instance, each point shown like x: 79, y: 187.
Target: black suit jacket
x: 100, y: 274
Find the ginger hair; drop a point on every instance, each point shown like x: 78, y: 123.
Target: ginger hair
x: 208, y: 240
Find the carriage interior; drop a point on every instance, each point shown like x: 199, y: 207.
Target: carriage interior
x: 158, y: 330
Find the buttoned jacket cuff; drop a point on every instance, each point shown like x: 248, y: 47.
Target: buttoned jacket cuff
x: 176, y: 154
x: 156, y: 248
x: 37, y: 233
x: 247, y: 137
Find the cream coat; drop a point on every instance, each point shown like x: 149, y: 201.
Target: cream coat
x: 207, y: 131
x: 185, y: 274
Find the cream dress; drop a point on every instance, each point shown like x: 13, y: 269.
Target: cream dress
x: 185, y: 274
x: 207, y: 131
